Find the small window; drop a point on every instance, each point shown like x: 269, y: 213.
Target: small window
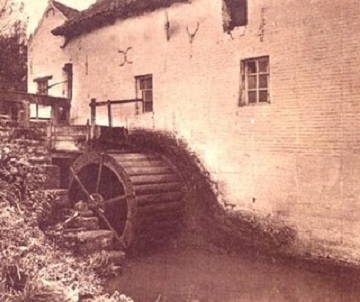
x: 255, y: 77
x: 43, y: 85
x: 234, y: 13
x: 144, y: 89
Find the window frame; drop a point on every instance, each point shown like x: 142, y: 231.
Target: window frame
x: 141, y: 91
x: 245, y: 75
x: 45, y: 82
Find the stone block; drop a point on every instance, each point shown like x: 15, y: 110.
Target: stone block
x: 89, y: 242
x: 88, y: 223
x: 117, y: 258
x: 61, y: 198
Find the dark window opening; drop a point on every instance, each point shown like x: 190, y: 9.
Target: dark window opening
x: 144, y: 89
x: 255, y: 78
x: 234, y: 13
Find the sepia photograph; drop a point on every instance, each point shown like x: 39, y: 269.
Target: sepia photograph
x: 179, y: 150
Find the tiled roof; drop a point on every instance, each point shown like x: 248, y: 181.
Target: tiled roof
x: 105, y: 12
x: 68, y: 12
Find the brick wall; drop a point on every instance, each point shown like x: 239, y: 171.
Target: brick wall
x: 297, y: 158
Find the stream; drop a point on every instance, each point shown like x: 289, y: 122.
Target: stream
x: 193, y: 275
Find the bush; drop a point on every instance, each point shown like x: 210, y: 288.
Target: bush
x: 32, y: 268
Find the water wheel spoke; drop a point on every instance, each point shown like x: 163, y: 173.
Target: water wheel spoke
x: 116, y: 199
x: 100, y: 173
x: 109, y: 226
x: 77, y: 179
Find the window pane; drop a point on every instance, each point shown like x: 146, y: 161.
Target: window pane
x: 148, y: 106
x: 251, y: 67
x: 252, y: 82
x: 252, y: 96
x: 148, y: 83
x: 147, y: 95
x: 264, y: 65
x: 263, y: 96
x: 142, y: 84
x: 263, y: 81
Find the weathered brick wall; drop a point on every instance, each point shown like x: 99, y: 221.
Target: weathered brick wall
x: 297, y: 158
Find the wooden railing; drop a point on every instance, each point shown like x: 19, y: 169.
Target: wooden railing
x: 18, y: 104
x: 109, y: 104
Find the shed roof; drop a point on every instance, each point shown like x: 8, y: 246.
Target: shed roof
x: 105, y: 12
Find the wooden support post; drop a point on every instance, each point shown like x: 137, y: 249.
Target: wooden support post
x: 88, y: 131
x: 37, y: 110
x: 49, y: 134
x: 55, y: 114
x: 109, y: 113
x: 66, y: 115
x: 26, y: 114
x: 93, y: 112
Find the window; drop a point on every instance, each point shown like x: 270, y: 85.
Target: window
x: 234, y: 13
x: 43, y: 85
x: 144, y: 90
x: 255, y: 76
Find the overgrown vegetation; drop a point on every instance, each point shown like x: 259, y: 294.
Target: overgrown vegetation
x: 32, y: 268
x: 225, y: 227
x: 13, y: 46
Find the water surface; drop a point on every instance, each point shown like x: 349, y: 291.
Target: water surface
x: 188, y: 275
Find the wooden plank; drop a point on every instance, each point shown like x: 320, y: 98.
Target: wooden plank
x: 157, y: 188
x: 148, y: 170
x: 143, y: 163
x: 144, y: 200
x: 16, y: 96
x: 117, y: 102
x: 129, y: 157
x: 151, y: 179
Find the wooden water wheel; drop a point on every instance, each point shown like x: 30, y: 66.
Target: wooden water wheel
x: 139, y: 194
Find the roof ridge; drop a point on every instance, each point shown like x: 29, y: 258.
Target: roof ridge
x: 67, y: 11
x: 104, y: 12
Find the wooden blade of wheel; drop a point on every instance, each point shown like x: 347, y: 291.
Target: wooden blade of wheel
x: 115, y: 199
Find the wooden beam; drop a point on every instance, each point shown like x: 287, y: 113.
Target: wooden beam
x: 93, y: 112
x: 117, y: 102
x: 43, y: 78
x: 109, y: 113
x: 46, y: 100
